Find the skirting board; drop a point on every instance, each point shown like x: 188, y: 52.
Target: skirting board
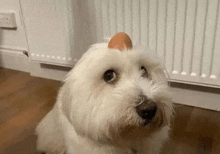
x: 14, y: 59
x: 205, y: 100
x: 47, y: 71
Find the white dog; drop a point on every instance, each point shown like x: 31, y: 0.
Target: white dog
x: 116, y: 100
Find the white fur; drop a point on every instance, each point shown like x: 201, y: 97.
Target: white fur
x: 95, y: 117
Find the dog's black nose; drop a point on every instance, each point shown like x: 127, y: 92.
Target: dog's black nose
x: 147, y: 110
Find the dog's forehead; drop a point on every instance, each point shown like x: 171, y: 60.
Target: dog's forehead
x: 106, y: 56
x: 100, y: 51
x: 100, y: 56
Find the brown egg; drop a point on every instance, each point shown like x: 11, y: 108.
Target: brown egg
x: 120, y: 41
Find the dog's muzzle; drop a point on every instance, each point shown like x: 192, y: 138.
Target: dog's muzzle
x: 146, y: 109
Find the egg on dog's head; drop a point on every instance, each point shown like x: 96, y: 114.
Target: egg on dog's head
x: 120, y: 41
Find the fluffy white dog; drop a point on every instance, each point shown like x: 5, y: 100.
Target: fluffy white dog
x: 116, y: 100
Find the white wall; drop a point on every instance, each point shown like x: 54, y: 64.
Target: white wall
x: 13, y: 38
x: 13, y: 42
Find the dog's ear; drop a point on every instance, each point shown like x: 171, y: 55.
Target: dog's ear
x: 120, y: 41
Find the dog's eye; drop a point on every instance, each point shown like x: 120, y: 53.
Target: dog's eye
x: 109, y: 76
x: 144, y: 72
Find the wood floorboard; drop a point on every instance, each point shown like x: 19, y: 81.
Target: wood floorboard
x: 25, y: 100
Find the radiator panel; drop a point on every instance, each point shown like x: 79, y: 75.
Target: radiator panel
x: 184, y: 33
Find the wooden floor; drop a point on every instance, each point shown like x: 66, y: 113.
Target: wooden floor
x: 25, y: 100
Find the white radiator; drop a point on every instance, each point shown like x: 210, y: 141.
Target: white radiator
x: 185, y: 33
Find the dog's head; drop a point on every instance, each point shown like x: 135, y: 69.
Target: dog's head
x: 116, y: 94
